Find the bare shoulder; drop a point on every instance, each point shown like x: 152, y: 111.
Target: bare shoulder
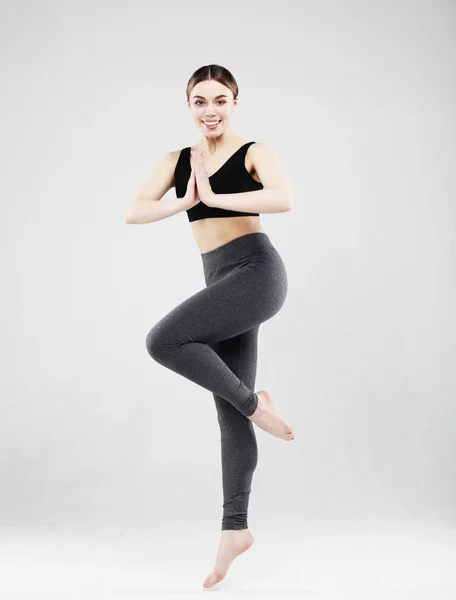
x: 267, y: 166
x: 261, y: 154
x: 161, y: 179
x: 261, y: 149
x: 169, y: 160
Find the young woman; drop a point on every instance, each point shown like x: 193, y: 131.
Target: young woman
x: 223, y: 183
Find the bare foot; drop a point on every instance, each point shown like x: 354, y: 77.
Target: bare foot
x: 267, y: 419
x: 233, y: 543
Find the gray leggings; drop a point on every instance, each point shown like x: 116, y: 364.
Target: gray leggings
x: 212, y: 339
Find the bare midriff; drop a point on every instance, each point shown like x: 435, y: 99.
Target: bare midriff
x: 214, y: 232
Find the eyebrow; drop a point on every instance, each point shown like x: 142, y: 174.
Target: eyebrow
x: 219, y: 96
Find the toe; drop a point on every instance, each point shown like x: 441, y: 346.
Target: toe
x: 212, y: 579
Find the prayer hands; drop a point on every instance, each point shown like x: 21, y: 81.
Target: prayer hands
x: 203, y: 184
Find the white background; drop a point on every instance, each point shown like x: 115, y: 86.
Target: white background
x: 357, y: 100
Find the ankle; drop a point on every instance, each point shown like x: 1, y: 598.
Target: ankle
x: 233, y: 532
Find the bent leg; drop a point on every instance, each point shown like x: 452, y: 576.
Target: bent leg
x: 243, y: 299
x: 239, y: 451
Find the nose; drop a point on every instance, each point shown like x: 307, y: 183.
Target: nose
x: 209, y: 113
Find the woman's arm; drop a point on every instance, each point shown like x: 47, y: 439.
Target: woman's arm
x: 150, y: 211
x: 268, y: 200
x: 276, y: 195
x: 146, y: 206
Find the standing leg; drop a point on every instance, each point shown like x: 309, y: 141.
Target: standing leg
x: 239, y: 452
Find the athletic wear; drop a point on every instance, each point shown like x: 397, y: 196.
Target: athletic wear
x: 211, y: 339
x: 231, y: 178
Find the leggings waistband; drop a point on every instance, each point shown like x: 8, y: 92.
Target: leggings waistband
x: 236, y: 249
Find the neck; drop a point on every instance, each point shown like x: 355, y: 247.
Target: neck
x: 212, y: 144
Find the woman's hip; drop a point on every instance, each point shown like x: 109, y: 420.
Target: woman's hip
x: 253, y: 250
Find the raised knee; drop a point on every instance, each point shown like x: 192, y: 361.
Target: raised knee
x: 160, y: 343
x: 155, y: 343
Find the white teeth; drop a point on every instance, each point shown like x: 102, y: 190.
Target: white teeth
x: 211, y: 123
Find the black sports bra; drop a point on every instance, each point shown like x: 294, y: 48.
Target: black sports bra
x: 231, y: 178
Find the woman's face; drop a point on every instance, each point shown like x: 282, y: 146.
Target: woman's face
x: 211, y: 101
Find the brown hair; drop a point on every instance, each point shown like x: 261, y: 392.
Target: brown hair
x: 216, y: 72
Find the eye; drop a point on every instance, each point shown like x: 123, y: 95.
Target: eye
x: 197, y: 101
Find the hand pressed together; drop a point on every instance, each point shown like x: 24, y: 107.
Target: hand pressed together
x: 203, y: 184
x: 198, y: 186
